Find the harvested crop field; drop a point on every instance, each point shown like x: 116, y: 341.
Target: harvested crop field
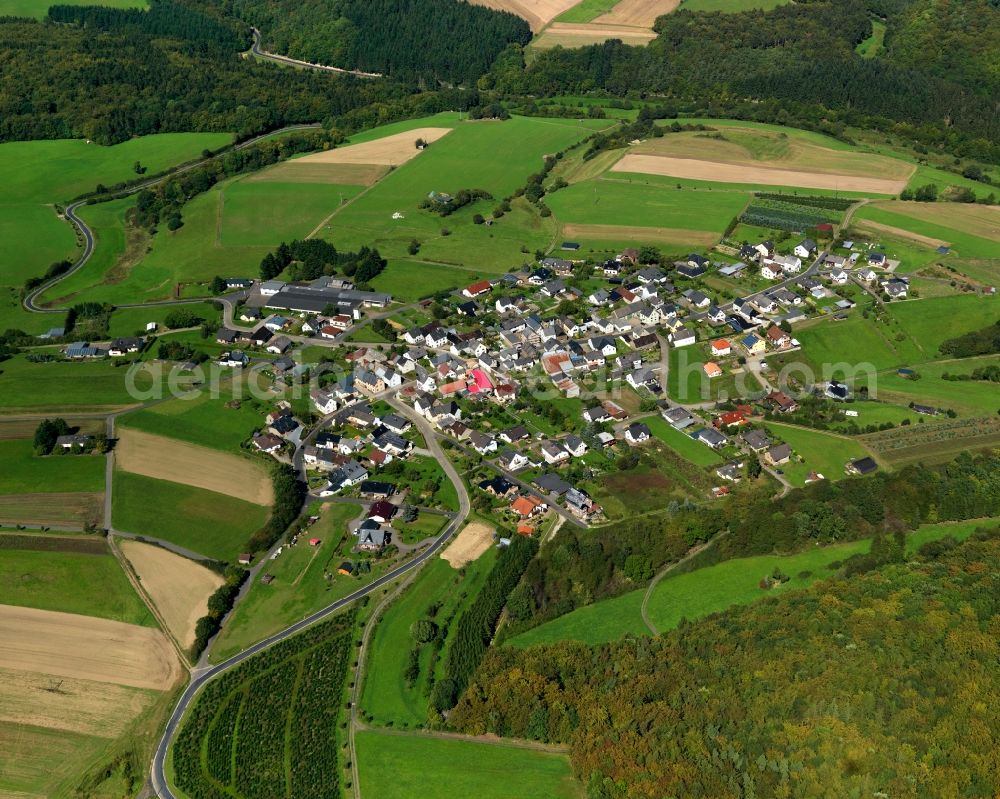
x: 179, y: 587
x: 388, y: 151
x: 976, y: 220
x: 82, y: 706
x: 693, y: 169
x: 165, y: 458
x: 642, y: 13
x: 899, y: 233
x: 86, y: 648
x: 21, y: 427
x: 303, y: 171
x: 472, y: 542
x: 538, y: 13
x: 52, y: 509
x: 642, y: 234
x: 570, y: 34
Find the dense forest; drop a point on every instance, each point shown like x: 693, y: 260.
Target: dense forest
x: 881, y: 684
x: 581, y: 567
x: 428, y: 40
x: 797, y: 64
x: 107, y: 79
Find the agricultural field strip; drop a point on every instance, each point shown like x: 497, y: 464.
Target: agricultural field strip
x: 179, y: 587
x: 103, y: 650
x: 393, y: 150
x: 735, y: 173
x: 87, y: 707
x: 537, y: 13
x: 165, y: 458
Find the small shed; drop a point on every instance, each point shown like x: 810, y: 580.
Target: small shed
x: 245, y: 559
x: 314, y: 542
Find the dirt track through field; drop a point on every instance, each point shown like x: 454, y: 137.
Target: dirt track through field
x: 694, y: 169
x: 469, y: 544
x: 179, y: 587
x: 898, y: 232
x: 60, y: 703
x: 538, y: 13
x: 630, y: 232
x: 389, y: 150
x: 642, y: 13
x: 180, y: 462
x: 86, y: 648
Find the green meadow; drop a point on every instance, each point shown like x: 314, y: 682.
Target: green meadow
x: 586, y: 11
x: 40, y: 173
x: 713, y: 589
x: 682, y: 443
x: 401, y: 766
x: 210, y: 422
x: 965, y: 244
x: 70, y: 582
x: 61, y: 385
x: 966, y: 397
x: 39, y: 8
x: 493, y: 156
x: 821, y: 452
x: 614, y: 202
x: 27, y: 473
x: 206, y: 522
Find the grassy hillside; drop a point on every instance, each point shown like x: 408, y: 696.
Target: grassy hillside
x: 712, y: 589
x: 394, y: 766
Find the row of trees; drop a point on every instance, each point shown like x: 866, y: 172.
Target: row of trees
x: 978, y: 342
x: 476, y: 626
x: 846, y: 688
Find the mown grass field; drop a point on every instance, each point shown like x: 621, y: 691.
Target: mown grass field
x: 713, y: 589
x: 932, y: 321
x: 27, y: 473
x: 821, y: 452
x: 202, y: 420
x: 205, y: 522
x: 63, y: 385
x: 494, y: 156
x: 69, y: 582
x: 615, y: 202
x: 386, y: 697
x: 682, y: 443
x: 966, y: 397
x: 401, y: 766
x: 299, y: 587
x: 972, y: 231
x: 40, y: 8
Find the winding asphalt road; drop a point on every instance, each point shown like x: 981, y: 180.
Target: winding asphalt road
x: 202, y: 676
x: 30, y: 298
x: 294, y: 62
